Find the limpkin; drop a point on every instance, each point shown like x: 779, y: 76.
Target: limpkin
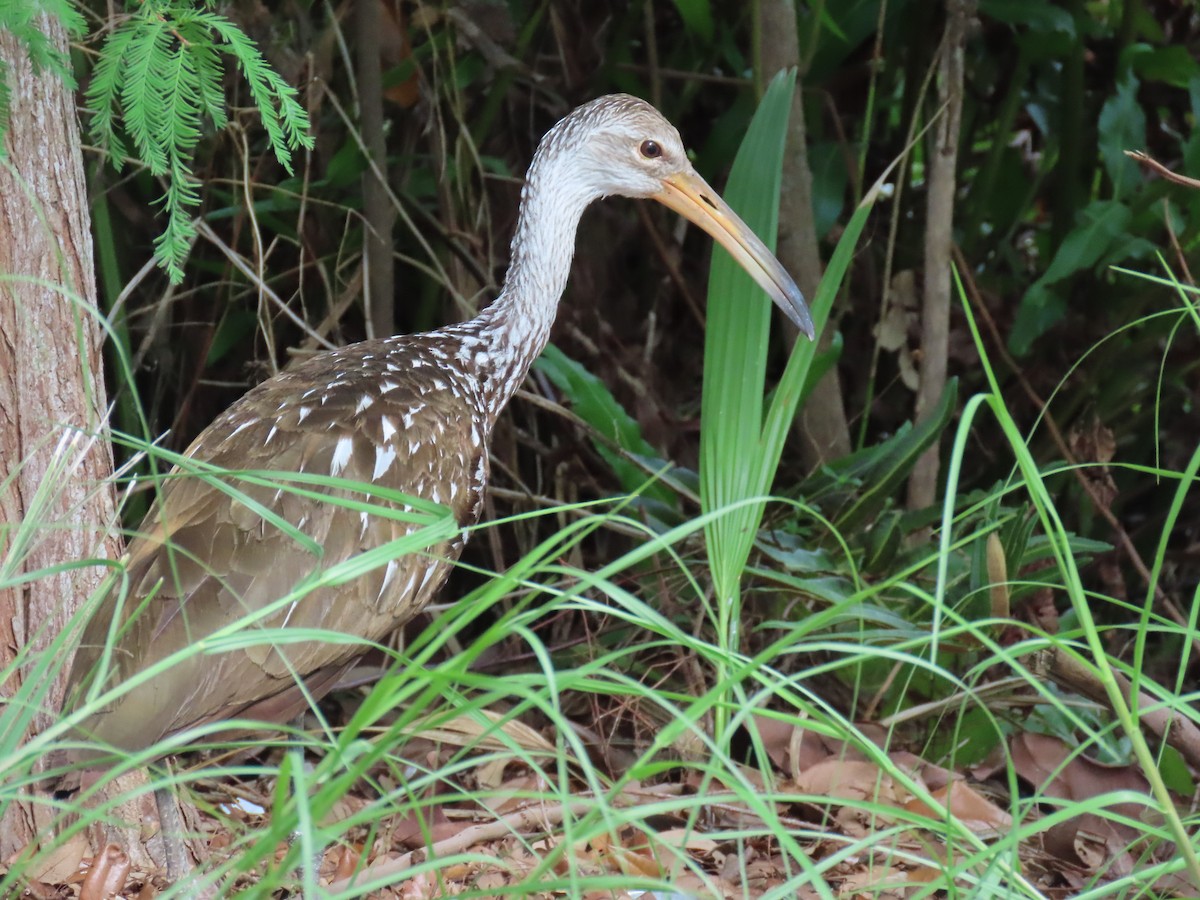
x: 413, y: 413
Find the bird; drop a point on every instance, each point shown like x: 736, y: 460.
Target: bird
x: 409, y: 413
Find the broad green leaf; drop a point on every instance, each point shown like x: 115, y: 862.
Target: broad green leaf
x: 1036, y: 15
x: 1176, y: 772
x: 595, y: 404
x: 796, y: 376
x: 1040, y: 310
x: 233, y: 328
x: 789, y: 551
x: 697, y: 16
x: 1175, y: 65
x: 738, y: 460
x: 893, y: 467
x: 1102, y: 225
x: 828, y: 163
x: 735, y: 347
x: 1122, y: 127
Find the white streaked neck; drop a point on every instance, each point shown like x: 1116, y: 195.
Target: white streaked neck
x: 516, y: 326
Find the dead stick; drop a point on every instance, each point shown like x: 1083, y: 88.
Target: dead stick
x: 1168, y: 724
x: 540, y: 817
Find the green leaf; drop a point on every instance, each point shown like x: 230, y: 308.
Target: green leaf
x: 790, y: 551
x: 594, y: 403
x: 1174, y: 65
x: 697, y: 16
x: 739, y: 448
x: 1036, y: 15
x: 828, y: 164
x: 1176, y: 772
x: 21, y: 20
x: 883, y: 541
x: 67, y: 13
x: 104, y: 91
x: 1040, y: 310
x: 232, y: 330
x: 1122, y: 127
x: 159, y: 78
x: 894, y: 460
x: 141, y: 98
x: 1102, y: 226
x: 735, y: 348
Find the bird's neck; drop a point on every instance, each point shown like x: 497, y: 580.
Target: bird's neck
x: 515, y: 328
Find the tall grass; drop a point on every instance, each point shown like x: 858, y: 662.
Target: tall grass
x: 415, y: 744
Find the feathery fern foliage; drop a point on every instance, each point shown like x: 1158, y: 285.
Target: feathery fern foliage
x: 158, y: 77
x: 20, y: 19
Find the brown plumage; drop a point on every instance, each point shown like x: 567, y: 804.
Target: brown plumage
x: 409, y: 413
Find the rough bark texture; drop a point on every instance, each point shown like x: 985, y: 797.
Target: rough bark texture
x: 377, y: 208
x: 823, y: 430
x: 939, y: 243
x: 51, y: 397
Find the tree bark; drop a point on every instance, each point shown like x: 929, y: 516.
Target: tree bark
x: 378, y: 215
x: 822, y: 426
x: 55, y: 458
x: 939, y: 243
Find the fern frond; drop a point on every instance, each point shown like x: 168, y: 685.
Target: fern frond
x: 66, y: 12
x: 159, y: 77
x: 181, y: 109
x: 210, y: 74
x: 285, y: 120
x: 103, y: 93
x: 171, y: 247
x: 21, y: 20
x: 142, y: 98
x: 184, y: 99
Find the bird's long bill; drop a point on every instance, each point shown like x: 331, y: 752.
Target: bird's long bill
x: 690, y: 196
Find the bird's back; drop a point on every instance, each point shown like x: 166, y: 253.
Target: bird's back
x: 392, y: 414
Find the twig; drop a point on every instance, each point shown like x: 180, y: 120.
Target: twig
x: 670, y: 259
x: 942, y: 175
x: 1155, y: 166
x: 1168, y: 724
x: 684, y: 75
x: 206, y: 232
x: 531, y: 817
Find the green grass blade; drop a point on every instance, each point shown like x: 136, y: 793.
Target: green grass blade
x: 735, y: 345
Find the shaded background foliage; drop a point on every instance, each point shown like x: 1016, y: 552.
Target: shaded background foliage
x: 1047, y: 204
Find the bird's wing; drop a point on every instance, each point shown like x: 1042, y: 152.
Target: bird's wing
x: 206, y: 560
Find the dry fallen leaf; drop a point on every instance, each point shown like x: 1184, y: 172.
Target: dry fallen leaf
x: 878, y: 882
x: 970, y: 808
x: 1096, y: 843
x: 58, y: 865
x: 514, y: 793
x: 107, y: 875
x: 852, y: 780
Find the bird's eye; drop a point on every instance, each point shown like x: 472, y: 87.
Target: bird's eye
x: 650, y: 149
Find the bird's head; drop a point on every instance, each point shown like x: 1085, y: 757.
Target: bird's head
x: 622, y: 145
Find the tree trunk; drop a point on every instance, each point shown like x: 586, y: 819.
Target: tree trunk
x: 939, y: 240
x: 54, y: 453
x: 378, y: 214
x: 822, y: 426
